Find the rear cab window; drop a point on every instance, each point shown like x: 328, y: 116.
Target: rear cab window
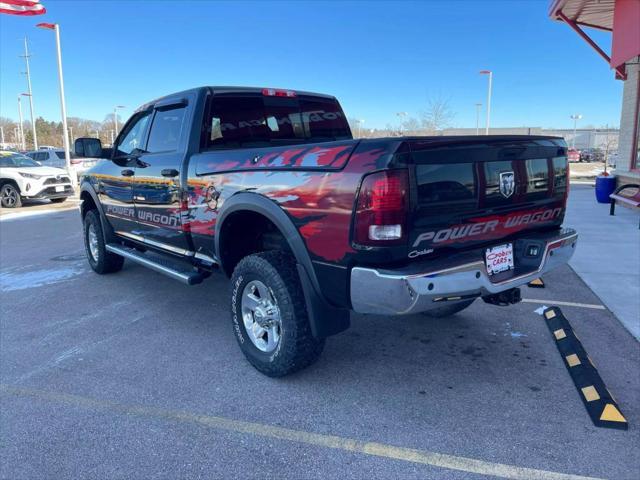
x: 251, y: 119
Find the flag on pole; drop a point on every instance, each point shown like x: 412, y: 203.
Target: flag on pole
x: 22, y: 7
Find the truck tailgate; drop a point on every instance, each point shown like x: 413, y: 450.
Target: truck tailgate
x: 473, y: 190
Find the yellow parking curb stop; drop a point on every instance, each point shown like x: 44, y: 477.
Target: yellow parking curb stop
x: 600, y: 404
x: 537, y: 283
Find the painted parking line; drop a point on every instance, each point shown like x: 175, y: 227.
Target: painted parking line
x: 424, y: 457
x: 565, y: 304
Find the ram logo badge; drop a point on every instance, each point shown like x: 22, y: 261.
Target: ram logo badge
x: 507, y: 184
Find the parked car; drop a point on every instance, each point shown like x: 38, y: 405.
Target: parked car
x: 21, y: 177
x: 573, y: 155
x: 591, y: 155
x: 269, y: 187
x: 55, y: 158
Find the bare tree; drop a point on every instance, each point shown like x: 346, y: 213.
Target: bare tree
x: 610, y: 144
x: 411, y: 126
x: 438, y: 115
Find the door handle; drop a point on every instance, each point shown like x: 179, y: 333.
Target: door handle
x: 126, y: 173
x: 169, y: 172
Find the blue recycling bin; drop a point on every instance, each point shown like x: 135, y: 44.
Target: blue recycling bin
x: 605, y: 186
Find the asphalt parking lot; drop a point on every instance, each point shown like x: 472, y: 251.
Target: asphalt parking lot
x: 133, y: 375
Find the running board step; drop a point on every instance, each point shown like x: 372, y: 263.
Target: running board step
x: 185, y: 275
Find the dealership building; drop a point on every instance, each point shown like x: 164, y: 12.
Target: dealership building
x: 622, y: 19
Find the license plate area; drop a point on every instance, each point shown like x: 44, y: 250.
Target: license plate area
x: 59, y: 188
x: 499, y: 259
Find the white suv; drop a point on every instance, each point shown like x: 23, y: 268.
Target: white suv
x: 54, y: 157
x: 23, y: 178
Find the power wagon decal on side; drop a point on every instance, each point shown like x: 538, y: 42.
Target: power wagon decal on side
x: 143, y: 216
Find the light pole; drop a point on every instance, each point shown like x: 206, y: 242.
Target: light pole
x: 575, y: 117
x: 490, y: 73
x: 28, y: 74
x: 115, y: 117
x: 401, y: 115
x: 20, y: 129
x: 24, y: 140
x: 478, y: 106
x: 65, y: 134
x: 2, y: 136
x: 360, y: 122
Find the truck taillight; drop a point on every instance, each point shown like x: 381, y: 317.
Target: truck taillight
x: 566, y: 193
x: 381, y: 210
x: 76, y: 161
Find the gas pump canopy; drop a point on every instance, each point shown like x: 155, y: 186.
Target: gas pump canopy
x: 617, y: 16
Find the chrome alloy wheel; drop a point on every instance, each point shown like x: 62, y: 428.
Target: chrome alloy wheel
x: 261, y: 316
x: 92, y: 238
x: 9, y: 196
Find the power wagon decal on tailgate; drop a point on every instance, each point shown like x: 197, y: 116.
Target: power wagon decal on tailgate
x: 487, y: 227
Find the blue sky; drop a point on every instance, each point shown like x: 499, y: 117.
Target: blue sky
x: 378, y: 58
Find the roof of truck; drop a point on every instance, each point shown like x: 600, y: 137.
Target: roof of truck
x: 228, y: 89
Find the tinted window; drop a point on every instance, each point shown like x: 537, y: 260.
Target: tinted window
x: 560, y: 174
x: 537, y: 175
x: 60, y: 154
x: 133, y: 135
x: 165, y: 130
x: 257, y: 120
x: 446, y: 183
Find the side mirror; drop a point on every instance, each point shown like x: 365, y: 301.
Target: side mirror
x: 88, y: 147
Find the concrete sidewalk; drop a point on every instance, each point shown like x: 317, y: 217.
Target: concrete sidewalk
x: 608, y: 253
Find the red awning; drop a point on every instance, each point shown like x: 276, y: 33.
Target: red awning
x: 589, y: 13
x: 618, y: 16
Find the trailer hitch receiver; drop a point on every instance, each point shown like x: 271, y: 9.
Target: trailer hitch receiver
x: 502, y: 299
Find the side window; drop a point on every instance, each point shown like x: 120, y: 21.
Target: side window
x: 133, y: 135
x: 31, y: 155
x: 165, y: 130
x: 42, y: 156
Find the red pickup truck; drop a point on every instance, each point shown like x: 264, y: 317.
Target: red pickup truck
x: 269, y: 187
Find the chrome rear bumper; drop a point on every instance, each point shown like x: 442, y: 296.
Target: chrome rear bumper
x: 420, y: 288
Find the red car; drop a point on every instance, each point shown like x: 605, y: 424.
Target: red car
x: 573, y: 155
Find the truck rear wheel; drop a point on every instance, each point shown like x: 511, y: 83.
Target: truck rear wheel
x: 100, y: 260
x: 448, y: 310
x: 269, y: 315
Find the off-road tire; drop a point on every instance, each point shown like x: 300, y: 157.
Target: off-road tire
x: 58, y: 200
x: 297, y: 347
x: 106, y: 262
x: 448, y: 310
x: 14, y: 201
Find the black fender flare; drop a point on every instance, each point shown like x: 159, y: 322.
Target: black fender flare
x: 107, y: 229
x: 326, y: 319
